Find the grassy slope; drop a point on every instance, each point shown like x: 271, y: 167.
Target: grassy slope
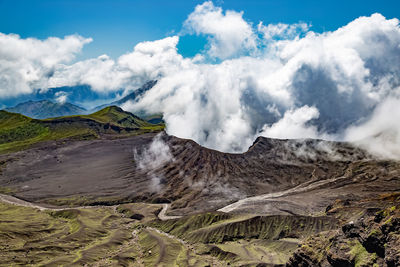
x: 19, y: 132
x: 96, y: 236
x: 117, y: 116
x: 28, y: 236
x: 218, y: 227
x: 246, y: 239
x: 109, y: 237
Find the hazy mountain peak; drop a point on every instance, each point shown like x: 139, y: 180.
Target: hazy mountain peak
x: 43, y: 109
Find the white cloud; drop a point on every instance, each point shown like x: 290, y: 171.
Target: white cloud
x: 155, y: 155
x: 147, y: 61
x: 26, y: 64
x: 282, y: 30
x: 61, y: 97
x: 229, y: 34
x: 280, y: 80
x: 322, y: 83
x: 380, y: 134
x: 294, y: 124
x: 152, y: 60
x: 150, y: 158
x: 101, y: 73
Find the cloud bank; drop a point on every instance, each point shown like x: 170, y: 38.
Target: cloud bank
x: 27, y: 64
x: 276, y: 80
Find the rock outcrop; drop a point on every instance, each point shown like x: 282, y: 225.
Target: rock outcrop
x: 371, y: 240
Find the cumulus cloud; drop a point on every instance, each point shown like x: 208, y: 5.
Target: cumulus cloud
x: 279, y: 80
x: 228, y: 33
x: 26, y: 64
x: 147, y: 61
x: 380, y: 134
x: 294, y: 124
x: 313, y: 86
x: 153, y: 60
x: 101, y: 73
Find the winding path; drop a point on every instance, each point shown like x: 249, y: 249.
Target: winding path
x: 19, y: 202
x: 162, y: 215
x: 304, y: 187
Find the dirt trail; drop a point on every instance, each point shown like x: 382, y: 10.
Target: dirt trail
x: 133, y: 242
x: 167, y: 235
x: 304, y: 187
x: 161, y: 245
x: 162, y: 215
x: 19, y: 202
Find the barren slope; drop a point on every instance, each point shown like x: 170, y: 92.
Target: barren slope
x: 287, y: 176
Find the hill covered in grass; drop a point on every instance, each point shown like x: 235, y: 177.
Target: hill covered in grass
x: 18, y: 131
x: 134, y: 96
x: 46, y: 109
x: 117, y: 116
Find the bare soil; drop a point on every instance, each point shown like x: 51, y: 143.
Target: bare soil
x: 274, y: 176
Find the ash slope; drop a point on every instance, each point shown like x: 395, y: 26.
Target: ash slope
x: 287, y: 176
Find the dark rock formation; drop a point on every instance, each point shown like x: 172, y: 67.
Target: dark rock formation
x: 372, y: 240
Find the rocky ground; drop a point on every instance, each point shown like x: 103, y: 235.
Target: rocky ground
x: 272, y: 177
x: 300, y: 202
x: 373, y: 239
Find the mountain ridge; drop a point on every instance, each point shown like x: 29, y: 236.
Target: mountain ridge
x: 18, y: 131
x: 132, y: 96
x: 43, y: 109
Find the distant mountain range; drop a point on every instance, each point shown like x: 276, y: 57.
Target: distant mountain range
x: 152, y: 118
x: 132, y: 96
x: 44, y: 109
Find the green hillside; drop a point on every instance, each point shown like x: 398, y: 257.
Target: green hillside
x: 19, y: 132
x: 117, y: 116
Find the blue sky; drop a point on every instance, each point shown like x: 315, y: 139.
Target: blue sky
x: 116, y: 26
x: 248, y: 79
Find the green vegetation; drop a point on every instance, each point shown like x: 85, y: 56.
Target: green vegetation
x: 217, y: 227
x: 117, y: 116
x: 29, y: 236
x: 155, y: 248
x: 360, y: 255
x: 316, y: 247
x: 115, y: 236
x: 75, y: 201
x: 107, y: 236
x: 245, y: 239
x: 95, y: 236
x: 16, y: 127
x: 257, y: 251
x: 18, y: 132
